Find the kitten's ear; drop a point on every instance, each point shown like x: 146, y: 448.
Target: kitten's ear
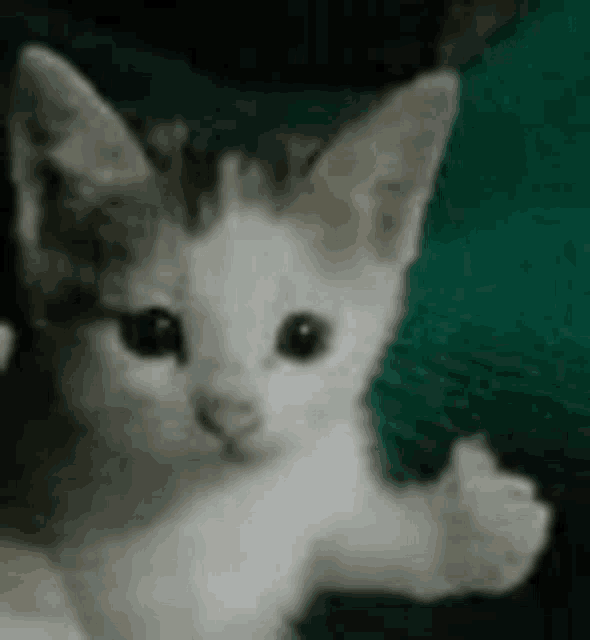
x: 59, y: 114
x: 371, y: 185
x: 74, y: 162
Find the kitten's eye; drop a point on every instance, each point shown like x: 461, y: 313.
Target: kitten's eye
x: 154, y: 333
x: 302, y: 336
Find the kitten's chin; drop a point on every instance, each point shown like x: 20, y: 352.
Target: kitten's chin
x: 171, y: 440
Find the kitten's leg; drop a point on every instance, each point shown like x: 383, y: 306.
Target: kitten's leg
x: 476, y: 529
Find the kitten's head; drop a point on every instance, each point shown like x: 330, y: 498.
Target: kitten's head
x: 254, y: 331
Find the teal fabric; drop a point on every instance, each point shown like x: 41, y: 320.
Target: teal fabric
x: 496, y: 337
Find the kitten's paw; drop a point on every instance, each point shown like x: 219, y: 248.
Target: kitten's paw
x: 494, y: 529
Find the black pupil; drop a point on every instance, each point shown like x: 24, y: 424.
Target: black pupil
x: 153, y: 333
x: 302, y: 336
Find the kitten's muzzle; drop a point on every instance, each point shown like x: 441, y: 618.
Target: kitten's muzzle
x: 226, y: 418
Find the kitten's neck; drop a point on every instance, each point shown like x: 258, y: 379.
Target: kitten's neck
x: 129, y: 494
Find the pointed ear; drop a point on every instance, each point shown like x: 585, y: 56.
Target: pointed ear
x: 79, y: 174
x: 371, y: 185
x: 58, y: 113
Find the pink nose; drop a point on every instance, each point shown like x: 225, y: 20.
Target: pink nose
x: 225, y: 417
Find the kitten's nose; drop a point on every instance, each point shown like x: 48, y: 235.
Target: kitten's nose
x: 226, y: 417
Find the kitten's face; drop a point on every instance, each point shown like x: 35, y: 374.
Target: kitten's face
x: 257, y: 337
x: 243, y: 344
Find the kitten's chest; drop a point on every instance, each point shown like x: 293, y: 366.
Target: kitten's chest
x: 190, y: 580
x: 235, y: 561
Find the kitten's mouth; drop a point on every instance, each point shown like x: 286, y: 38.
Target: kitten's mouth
x: 232, y: 453
x: 207, y: 423
x: 236, y: 427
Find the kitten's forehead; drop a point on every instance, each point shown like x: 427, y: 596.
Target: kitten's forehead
x: 250, y: 256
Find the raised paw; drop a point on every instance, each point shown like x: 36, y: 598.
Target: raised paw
x: 493, y: 528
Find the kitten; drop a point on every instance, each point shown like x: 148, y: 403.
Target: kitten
x: 219, y: 367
